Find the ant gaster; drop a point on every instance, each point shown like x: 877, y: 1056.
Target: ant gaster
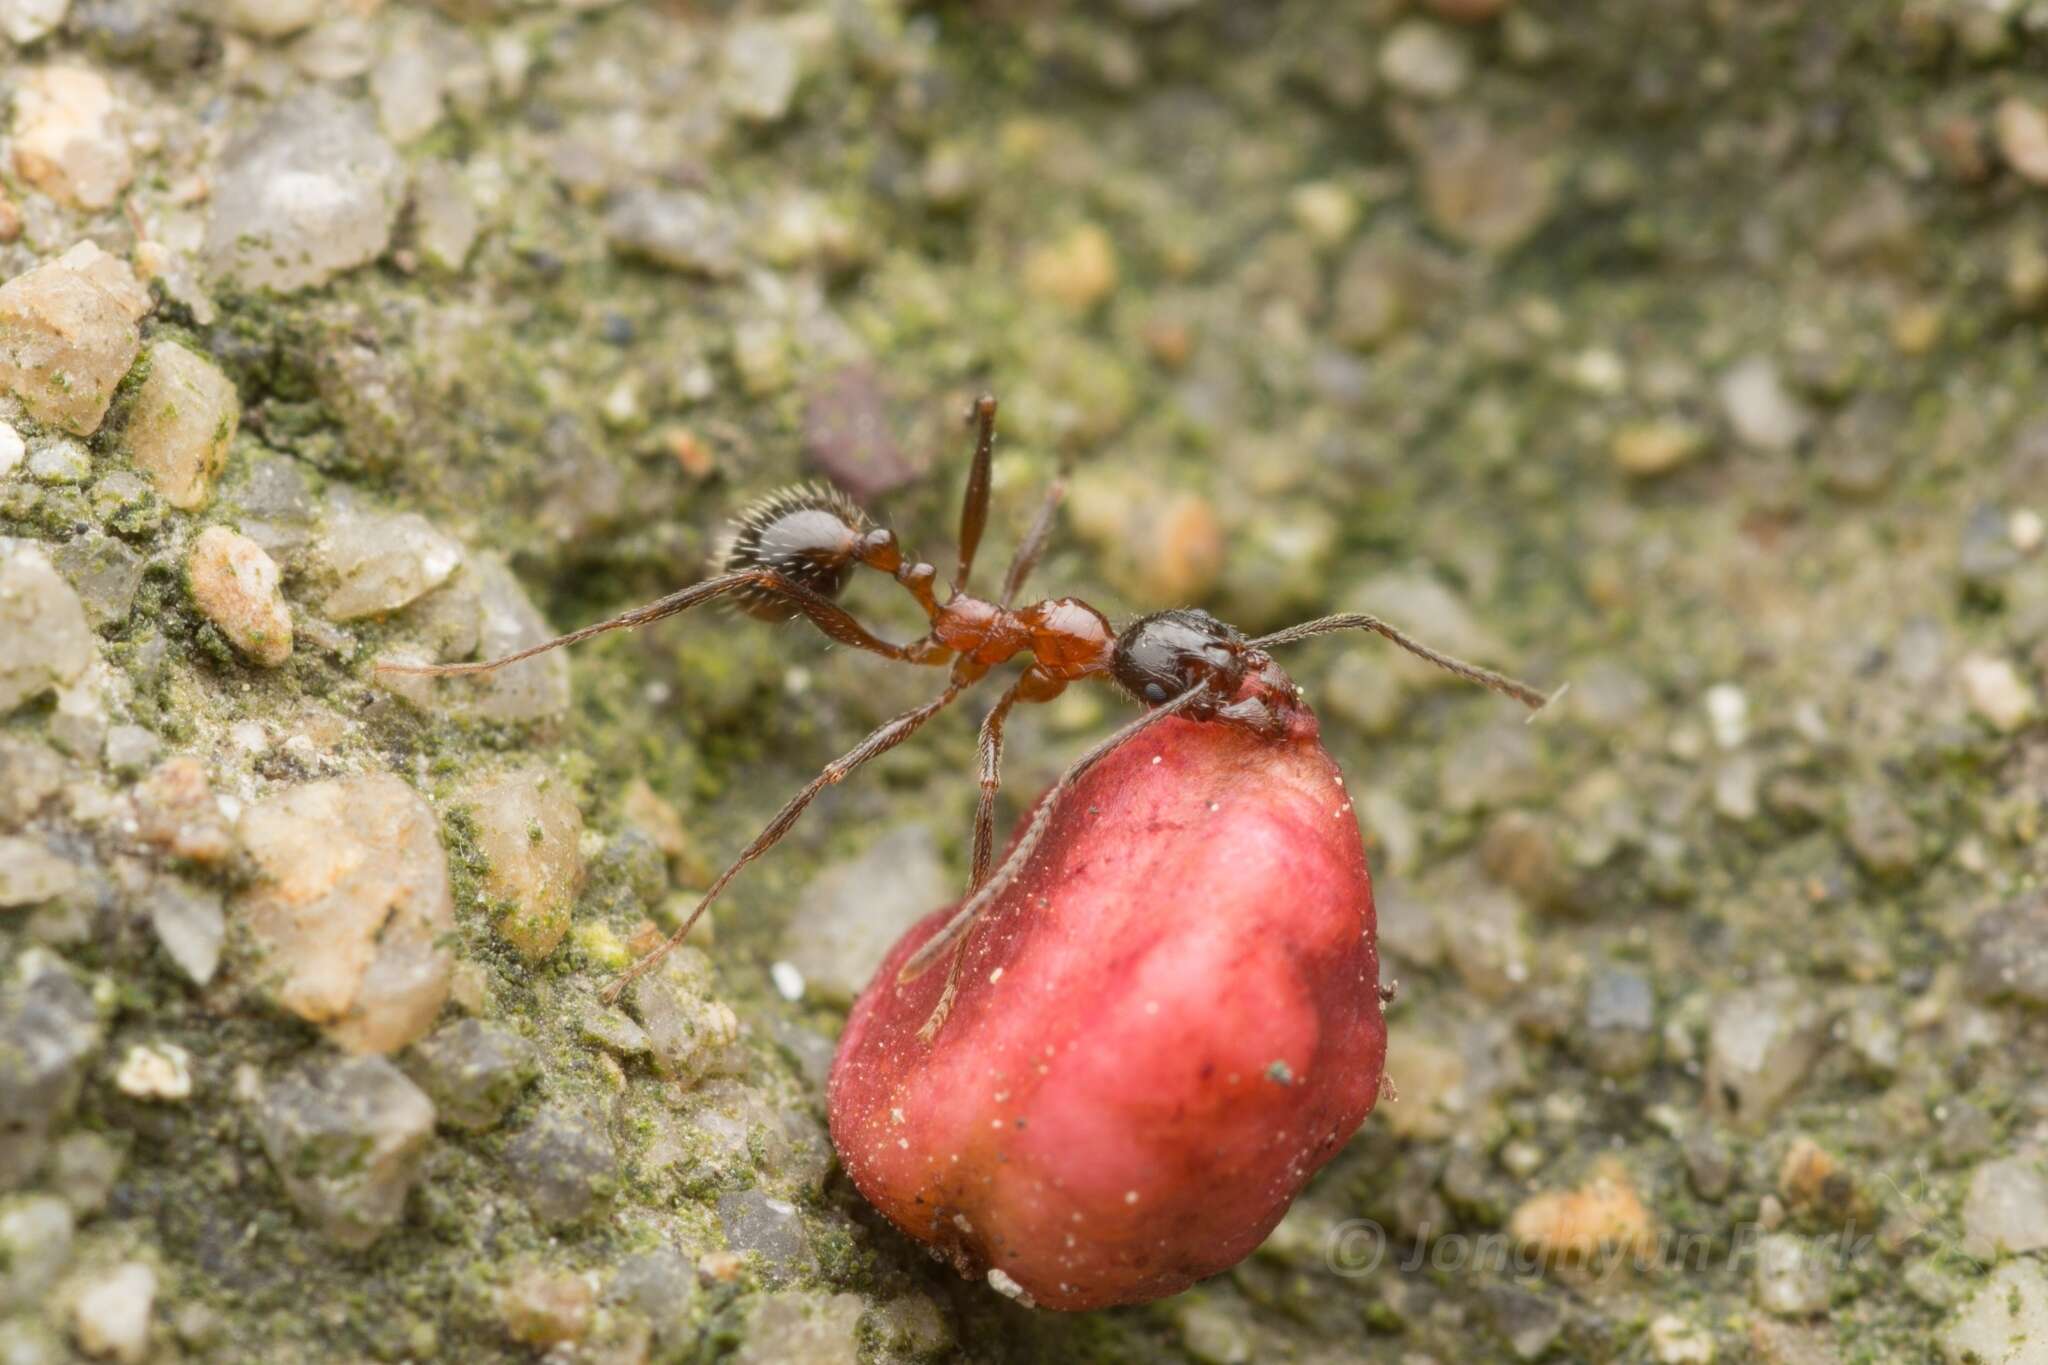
x: 792, y: 554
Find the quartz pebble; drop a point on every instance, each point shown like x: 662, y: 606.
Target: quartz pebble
x: 49, y: 640
x: 49, y: 1031
x: 1764, y: 415
x: 67, y: 138
x: 1793, y: 1278
x: 1425, y: 61
x: 112, y: 1312
x: 31, y: 874
x: 310, y: 191
x: 1997, y: 692
x: 676, y: 229
x: 347, y: 1136
x: 105, y: 573
x: 474, y: 1071
x: 768, y: 1230
x: 2005, y: 1322
x: 529, y: 830
x: 760, y: 64
x: 1760, y: 1044
x: 35, y: 1242
x: 68, y: 333
x: 25, y: 21
x: 687, y: 1030
x: 1674, y: 1341
x: 660, y: 1287
x: 155, y: 1071
x: 795, y: 1325
x: 235, y: 585
x: 853, y: 912
x: 2005, y: 1212
x: 348, y: 908
x: 183, y: 420
x: 190, y: 924
x: 2022, y: 128
x: 563, y: 1164
x: 2008, y: 953
x: 534, y: 690
x: 383, y: 562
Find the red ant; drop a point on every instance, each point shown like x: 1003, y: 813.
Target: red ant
x: 792, y: 553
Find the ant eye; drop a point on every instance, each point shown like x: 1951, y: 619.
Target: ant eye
x: 1155, y: 693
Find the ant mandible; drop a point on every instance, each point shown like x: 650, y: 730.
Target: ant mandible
x: 792, y: 553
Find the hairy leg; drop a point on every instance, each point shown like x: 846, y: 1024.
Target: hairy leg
x: 974, y: 504
x: 1033, y: 686
x: 828, y: 616
x: 884, y: 738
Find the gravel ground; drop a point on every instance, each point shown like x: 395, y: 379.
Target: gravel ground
x: 1686, y: 352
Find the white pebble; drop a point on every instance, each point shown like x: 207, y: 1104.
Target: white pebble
x: 1996, y: 691
x: 12, y: 448
x: 111, y: 1315
x: 2024, y: 527
x: 162, y: 1071
x: 1001, y: 1282
x: 1728, y: 714
x: 789, y: 982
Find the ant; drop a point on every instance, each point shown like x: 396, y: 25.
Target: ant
x: 792, y: 553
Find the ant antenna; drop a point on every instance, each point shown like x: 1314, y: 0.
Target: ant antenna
x: 1485, y: 677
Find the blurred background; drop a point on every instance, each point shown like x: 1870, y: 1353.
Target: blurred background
x: 1686, y: 351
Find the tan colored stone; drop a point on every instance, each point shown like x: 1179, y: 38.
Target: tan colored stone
x: 2022, y: 128
x: 547, y: 1307
x: 177, y: 812
x: 182, y: 424
x: 67, y: 142
x: 236, y: 585
x: 68, y: 335
x: 1429, y: 1099
x: 1076, y: 272
x: 1605, y: 1214
x: 528, y: 829
x: 1647, y: 450
x: 348, y: 906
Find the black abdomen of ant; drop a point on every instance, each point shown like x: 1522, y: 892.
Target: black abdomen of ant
x: 792, y: 554
x: 810, y: 534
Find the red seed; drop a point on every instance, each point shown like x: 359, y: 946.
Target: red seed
x: 1163, y: 1028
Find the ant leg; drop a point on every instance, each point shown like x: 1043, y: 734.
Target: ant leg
x: 884, y: 738
x: 1485, y: 677
x: 828, y: 616
x: 1032, y: 547
x: 1033, y: 686
x: 928, y: 952
x: 974, y: 505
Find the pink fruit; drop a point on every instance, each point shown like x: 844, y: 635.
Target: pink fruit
x: 1164, y: 1026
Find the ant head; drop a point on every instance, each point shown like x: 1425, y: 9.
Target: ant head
x: 812, y: 534
x: 1160, y: 656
